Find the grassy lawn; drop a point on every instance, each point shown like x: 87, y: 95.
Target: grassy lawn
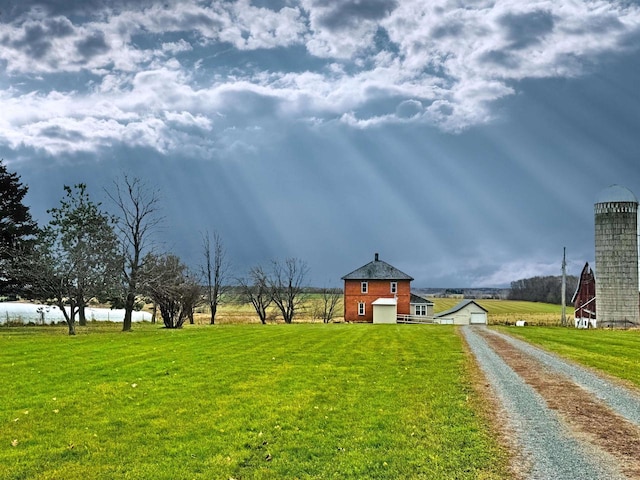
x: 616, y: 352
x: 241, y: 401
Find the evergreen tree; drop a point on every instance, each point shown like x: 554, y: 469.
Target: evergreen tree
x: 17, y: 228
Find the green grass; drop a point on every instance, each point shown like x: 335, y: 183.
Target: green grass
x: 500, y: 311
x: 509, y: 311
x: 230, y: 312
x: 243, y: 401
x: 615, y: 352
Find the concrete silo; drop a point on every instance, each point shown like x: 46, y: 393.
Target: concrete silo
x: 616, y: 236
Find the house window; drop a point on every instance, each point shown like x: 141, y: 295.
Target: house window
x: 360, y: 308
x: 421, y: 310
x: 364, y: 287
x: 394, y: 287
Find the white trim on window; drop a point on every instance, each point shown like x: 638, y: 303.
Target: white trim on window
x: 364, y: 287
x: 394, y: 287
x: 361, y: 308
x: 421, y: 310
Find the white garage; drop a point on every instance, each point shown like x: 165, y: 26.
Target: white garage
x: 467, y: 312
x: 478, y: 318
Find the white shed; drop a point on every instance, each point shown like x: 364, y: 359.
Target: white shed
x: 385, y: 310
x: 467, y: 312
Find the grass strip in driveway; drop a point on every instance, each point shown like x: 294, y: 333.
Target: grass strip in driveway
x: 615, y: 352
x: 581, y: 410
x: 245, y: 401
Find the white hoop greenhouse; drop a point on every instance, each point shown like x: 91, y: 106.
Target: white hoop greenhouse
x: 15, y: 312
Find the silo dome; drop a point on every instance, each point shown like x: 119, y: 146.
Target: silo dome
x: 616, y: 193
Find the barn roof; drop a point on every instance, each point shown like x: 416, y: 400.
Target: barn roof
x: 377, y: 270
x: 586, y: 277
x: 459, y: 307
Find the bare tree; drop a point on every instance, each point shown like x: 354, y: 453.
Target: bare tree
x: 138, y: 217
x: 215, y: 271
x: 329, y: 301
x: 255, y: 290
x: 286, y: 284
x: 47, y: 273
x: 168, y: 283
x: 191, y: 296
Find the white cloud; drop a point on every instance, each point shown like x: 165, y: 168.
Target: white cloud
x: 176, y: 47
x: 443, y: 64
x: 186, y: 119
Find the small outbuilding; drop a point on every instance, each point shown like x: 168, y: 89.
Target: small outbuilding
x: 467, y: 312
x: 385, y: 310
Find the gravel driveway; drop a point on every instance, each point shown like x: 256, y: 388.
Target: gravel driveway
x: 564, y: 422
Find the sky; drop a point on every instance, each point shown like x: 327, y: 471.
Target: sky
x: 465, y: 142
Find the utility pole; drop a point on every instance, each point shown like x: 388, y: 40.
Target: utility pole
x: 563, y: 294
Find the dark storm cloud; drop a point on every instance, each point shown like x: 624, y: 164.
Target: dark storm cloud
x: 452, y: 29
x: 60, y: 133
x: 14, y: 8
x: 92, y: 45
x: 274, y: 5
x: 340, y: 15
x: 502, y: 58
x: 600, y: 25
x: 59, y: 27
x: 249, y: 108
x: 278, y: 126
x: 199, y: 20
x: 35, y: 42
x: 528, y: 28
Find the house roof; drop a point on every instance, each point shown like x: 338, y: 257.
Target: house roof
x: 415, y: 298
x: 377, y: 270
x: 385, y: 301
x: 459, y: 307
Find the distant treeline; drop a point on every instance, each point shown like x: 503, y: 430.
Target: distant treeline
x: 543, y: 289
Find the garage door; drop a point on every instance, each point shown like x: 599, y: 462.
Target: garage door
x: 478, y: 318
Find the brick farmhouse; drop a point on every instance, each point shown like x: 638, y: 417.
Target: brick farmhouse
x: 377, y: 282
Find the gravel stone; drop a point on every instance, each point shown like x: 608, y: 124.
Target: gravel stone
x: 547, y: 444
x: 624, y: 402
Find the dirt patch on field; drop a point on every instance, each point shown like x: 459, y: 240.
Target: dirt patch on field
x: 581, y: 411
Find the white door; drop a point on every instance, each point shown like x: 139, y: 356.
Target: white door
x: 478, y: 318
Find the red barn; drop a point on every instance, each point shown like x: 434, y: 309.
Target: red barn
x: 378, y: 282
x: 584, y: 300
